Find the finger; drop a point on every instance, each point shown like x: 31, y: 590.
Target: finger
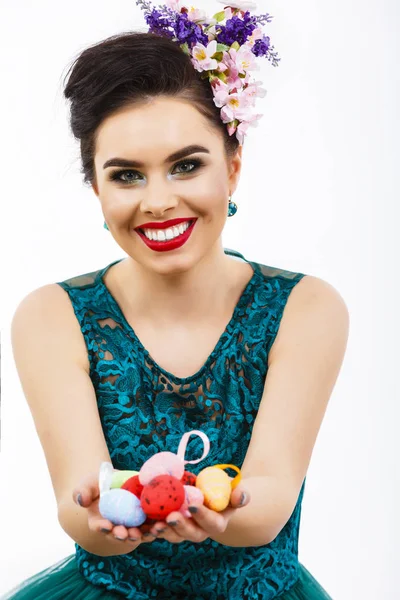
x: 186, y: 528
x: 120, y: 532
x: 100, y: 525
x: 239, y: 497
x: 134, y: 533
x: 85, y: 493
x: 210, y: 521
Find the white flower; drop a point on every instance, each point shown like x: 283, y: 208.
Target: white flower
x: 197, y: 15
x: 241, y: 4
x: 173, y: 5
x: 201, y: 56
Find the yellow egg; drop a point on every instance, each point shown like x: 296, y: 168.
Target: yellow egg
x: 216, y: 487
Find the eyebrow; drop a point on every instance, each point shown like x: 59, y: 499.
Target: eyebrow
x: 124, y: 162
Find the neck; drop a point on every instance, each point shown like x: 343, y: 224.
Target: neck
x: 205, y: 290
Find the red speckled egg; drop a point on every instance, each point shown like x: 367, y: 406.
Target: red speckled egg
x: 188, y: 478
x: 163, y: 495
x: 133, y: 485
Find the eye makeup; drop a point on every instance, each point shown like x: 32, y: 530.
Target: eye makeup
x: 197, y: 163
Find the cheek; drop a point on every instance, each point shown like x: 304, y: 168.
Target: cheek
x: 116, y: 201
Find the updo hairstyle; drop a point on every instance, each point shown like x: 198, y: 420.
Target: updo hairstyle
x: 128, y: 69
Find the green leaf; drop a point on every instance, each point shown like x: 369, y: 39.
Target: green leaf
x: 185, y: 48
x: 219, y: 16
x: 218, y: 56
x: 222, y: 47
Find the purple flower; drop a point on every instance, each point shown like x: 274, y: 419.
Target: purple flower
x: 158, y: 23
x: 188, y: 31
x: 261, y: 47
x: 236, y: 30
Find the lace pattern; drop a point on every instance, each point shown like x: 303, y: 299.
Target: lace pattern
x: 144, y: 409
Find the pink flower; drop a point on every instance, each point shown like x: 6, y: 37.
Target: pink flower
x: 197, y: 15
x: 236, y: 107
x: 244, y: 59
x: 232, y: 77
x: 253, y: 91
x: 174, y: 5
x: 201, y: 56
x: 256, y: 35
x: 241, y: 4
x: 242, y: 128
x: 220, y: 91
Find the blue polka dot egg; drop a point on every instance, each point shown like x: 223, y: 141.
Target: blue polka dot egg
x: 121, y: 508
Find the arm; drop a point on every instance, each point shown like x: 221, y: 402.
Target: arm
x: 304, y: 364
x: 51, y: 359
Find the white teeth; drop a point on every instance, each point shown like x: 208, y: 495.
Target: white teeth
x: 162, y: 235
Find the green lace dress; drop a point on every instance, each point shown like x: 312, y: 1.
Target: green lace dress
x: 145, y: 409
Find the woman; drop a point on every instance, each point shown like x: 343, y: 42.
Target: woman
x: 181, y: 334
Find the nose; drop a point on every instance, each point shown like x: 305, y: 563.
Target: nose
x: 157, y: 200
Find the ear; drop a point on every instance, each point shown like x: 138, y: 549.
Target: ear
x: 95, y: 188
x: 235, y: 169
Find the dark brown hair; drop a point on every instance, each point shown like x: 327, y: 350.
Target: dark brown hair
x: 127, y: 69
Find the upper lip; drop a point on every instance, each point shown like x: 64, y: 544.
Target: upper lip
x: 164, y: 224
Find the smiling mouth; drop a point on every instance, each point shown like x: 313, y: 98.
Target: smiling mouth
x: 176, y: 229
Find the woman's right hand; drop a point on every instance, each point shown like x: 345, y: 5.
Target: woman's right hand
x: 87, y: 495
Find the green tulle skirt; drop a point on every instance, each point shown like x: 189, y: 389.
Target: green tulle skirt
x: 63, y: 581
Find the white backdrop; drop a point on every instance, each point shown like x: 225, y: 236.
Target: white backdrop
x: 316, y: 195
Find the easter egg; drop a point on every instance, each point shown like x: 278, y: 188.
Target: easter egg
x: 193, y: 495
x: 121, y: 508
x: 216, y: 487
x: 119, y: 478
x: 163, y: 495
x: 105, y: 476
x: 133, y: 485
x: 189, y: 478
x: 162, y: 463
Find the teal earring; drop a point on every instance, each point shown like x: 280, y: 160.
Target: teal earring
x: 232, y: 208
x: 105, y: 226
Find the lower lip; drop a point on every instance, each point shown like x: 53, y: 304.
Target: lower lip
x: 170, y: 244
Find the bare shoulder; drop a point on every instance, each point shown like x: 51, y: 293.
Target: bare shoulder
x: 48, y: 310
x: 315, y: 303
x: 51, y: 359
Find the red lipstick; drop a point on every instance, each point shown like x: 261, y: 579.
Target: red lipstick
x: 164, y: 224
x: 167, y: 245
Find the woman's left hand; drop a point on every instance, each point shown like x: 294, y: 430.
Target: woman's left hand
x: 203, y: 523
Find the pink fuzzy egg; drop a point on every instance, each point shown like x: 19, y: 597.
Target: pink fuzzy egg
x: 193, y: 495
x: 162, y: 463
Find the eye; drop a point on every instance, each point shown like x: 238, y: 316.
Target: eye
x: 117, y: 175
x: 197, y: 163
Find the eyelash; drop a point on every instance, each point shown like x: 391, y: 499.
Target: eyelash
x: 115, y: 175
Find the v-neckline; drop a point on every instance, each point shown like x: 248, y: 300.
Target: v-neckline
x: 228, y: 329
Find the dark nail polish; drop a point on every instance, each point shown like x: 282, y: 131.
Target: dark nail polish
x: 193, y: 509
x: 120, y: 539
x: 106, y: 530
x: 243, y: 499
x: 79, y: 499
x: 173, y: 523
x: 148, y: 534
x: 133, y: 539
x: 160, y: 530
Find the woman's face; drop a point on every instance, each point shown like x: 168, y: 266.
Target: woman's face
x: 153, y: 188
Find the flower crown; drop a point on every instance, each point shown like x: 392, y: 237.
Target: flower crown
x: 223, y: 48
